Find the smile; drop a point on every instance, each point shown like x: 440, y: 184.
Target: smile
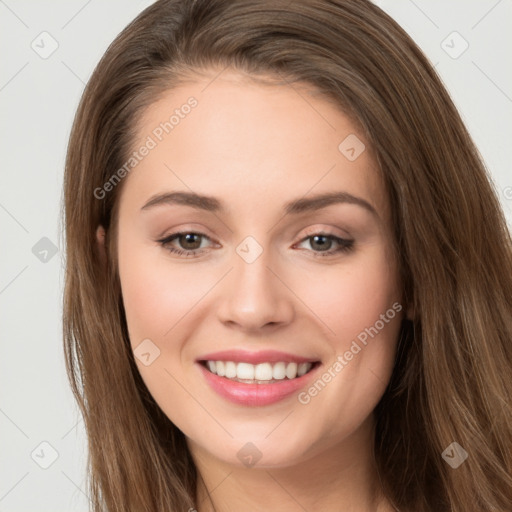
x: 257, y: 384
x: 263, y: 373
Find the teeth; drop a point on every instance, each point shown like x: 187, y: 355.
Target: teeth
x: 302, y: 369
x: 230, y: 369
x: 263, y: 372
x: 291, y: 370
x: 279, y: 371
x: 244, y: 371
x: 221, y: 369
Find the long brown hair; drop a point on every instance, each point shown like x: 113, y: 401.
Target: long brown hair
x: 451, y: 381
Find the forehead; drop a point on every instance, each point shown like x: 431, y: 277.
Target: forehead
x: 250, y: 143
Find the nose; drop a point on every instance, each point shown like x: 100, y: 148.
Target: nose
x: 254, y: 296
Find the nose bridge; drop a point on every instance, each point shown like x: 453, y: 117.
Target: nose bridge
x: 253, y: 296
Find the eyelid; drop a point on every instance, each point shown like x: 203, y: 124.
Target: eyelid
x: 310, y: 231
x: 187, y: 228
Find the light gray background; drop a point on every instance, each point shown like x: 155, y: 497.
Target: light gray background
x: 38, y: 99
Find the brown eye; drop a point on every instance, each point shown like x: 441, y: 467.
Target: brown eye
x: 189, y: 243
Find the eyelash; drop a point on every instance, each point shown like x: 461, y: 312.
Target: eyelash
x: 345, y: 245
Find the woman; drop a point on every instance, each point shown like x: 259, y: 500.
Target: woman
x: 339, y: 337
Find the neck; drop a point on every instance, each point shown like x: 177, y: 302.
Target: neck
x: 345, y: 473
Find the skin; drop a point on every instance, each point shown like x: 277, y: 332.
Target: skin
x: 256, y: 147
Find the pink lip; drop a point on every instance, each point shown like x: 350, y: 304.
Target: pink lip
x: 264, y: 356
x: 254, y: 394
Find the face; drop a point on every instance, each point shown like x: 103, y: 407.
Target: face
x: 262, y: 280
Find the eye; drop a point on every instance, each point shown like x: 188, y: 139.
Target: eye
x: 325, y: 241
x: 189, y: 240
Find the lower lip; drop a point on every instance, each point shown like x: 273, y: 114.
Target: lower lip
x: 255, y: 394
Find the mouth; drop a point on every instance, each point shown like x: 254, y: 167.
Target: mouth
x: 261, y: 373
x: 260, y: 384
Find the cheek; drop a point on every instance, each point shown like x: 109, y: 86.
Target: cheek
x: 156, y: 294
x: 157, y: 297
x: 344, y: 299
x: 360, y: 312
x: 347, y: 298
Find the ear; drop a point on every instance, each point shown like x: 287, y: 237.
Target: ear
x: 100, y: 239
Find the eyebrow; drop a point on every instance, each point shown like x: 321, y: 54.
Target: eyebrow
x: 294, y: 207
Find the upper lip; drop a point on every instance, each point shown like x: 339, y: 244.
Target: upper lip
x: 263, y: 356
